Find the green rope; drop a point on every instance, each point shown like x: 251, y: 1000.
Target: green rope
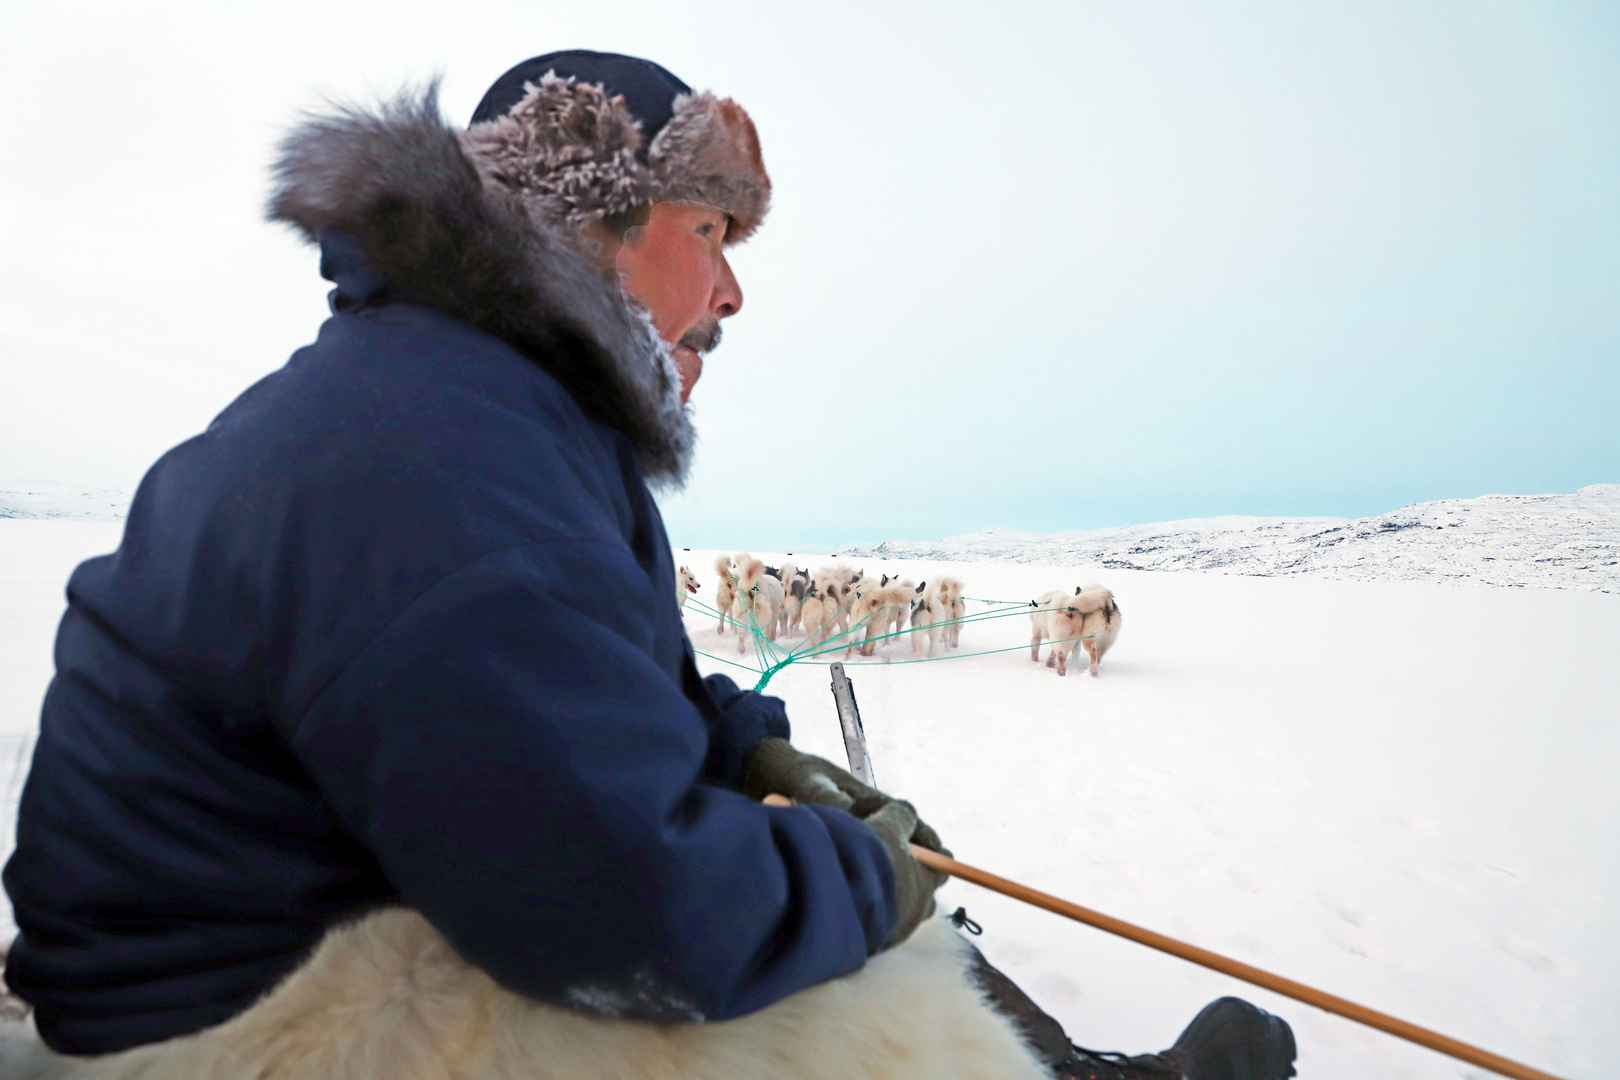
x: 769, y: 665
x: 965, y: 655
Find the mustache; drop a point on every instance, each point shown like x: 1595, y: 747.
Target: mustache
x: 703, y: 338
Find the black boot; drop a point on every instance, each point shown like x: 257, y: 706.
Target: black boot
x: 1229, y: 1040
x: 1233, y: 1040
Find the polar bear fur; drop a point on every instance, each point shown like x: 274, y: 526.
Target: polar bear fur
x: 386, y: 996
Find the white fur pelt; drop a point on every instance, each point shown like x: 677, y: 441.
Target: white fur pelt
x: 386, y: 997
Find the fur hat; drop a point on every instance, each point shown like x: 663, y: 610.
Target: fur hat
x: 579, y: 136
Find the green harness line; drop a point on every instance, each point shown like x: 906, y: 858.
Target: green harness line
x: 769, y: 665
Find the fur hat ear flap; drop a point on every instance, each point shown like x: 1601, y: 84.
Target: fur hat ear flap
x: 566, y: 151
x: 709, y: 153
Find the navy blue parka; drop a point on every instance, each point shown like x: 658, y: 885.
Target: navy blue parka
x: 400, y: 628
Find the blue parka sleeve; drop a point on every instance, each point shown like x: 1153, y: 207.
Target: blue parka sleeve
x: 536, y: 785
x: 746, y: 718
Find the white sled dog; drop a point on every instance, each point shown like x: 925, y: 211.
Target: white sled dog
x: 1058, y: 619
x: 879, y: 604
x: 387, y: 997
x: 726, y: 594
x: 897, y: 617
x: 827, y: 602
x: 819, y: 612
x: 795, y: 582
x: 759, y: 601
x: 685, y: 582
x: 950, y: 610
x: 1102, y: 623
x: 1089, y: 617
x: 925, y: 618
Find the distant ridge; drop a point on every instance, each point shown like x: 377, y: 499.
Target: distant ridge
x: 47, y: 499
x: 1526, y: 541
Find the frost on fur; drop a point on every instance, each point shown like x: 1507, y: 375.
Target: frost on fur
x: 568, y: 152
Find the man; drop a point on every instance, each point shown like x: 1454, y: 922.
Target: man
x: 397, y: 634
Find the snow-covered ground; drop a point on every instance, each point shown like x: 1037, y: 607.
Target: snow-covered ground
x: 1399, y: 792
x: 49, y: 499
x: 1542, y: 541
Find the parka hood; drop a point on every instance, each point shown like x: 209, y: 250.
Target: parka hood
x: 400, y: 211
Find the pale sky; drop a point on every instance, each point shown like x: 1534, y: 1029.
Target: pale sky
x: 1043, y: 266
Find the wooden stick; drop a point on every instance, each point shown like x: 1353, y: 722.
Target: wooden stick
x: 1298, y: 991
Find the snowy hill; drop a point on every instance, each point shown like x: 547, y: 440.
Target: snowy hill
x: 46, y: 499
x: 1538, y: 541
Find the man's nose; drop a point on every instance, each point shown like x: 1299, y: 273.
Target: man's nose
x: 726, y: 300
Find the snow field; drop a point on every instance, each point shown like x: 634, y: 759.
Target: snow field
x: 1401, y: 793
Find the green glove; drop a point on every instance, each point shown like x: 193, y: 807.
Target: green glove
x: 914, y: 883
x: 774, y: 767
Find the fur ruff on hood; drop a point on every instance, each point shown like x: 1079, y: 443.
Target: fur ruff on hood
x: 397, y: 178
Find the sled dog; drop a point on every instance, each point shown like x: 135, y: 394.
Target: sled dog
x: 950, y: 609
x: 759, y: 601
x: 819, y: 615
x: 897, y: 617
x: 794, y: 584
x: 925, y: 620
x: 1102, y: 623
x: 726, y: 594
x: 877, y: 602
x: 826, y: 604
x: 686, y: 582
x: 1058, y: 620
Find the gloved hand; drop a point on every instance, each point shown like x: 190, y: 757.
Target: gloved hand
x: 914, y: 883
x: 774, y: 767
